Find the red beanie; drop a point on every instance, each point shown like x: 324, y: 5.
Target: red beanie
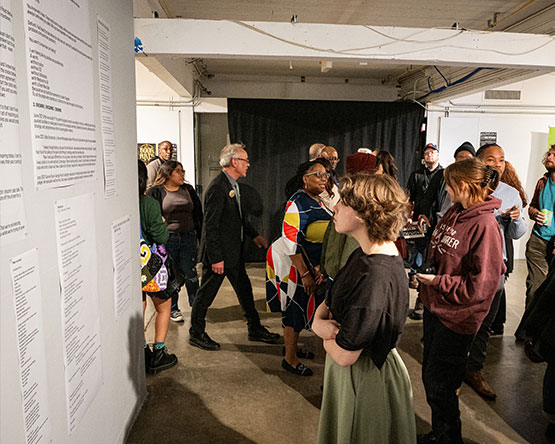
x: 361, y: 162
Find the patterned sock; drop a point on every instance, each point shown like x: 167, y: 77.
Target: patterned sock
x: 159, y: 345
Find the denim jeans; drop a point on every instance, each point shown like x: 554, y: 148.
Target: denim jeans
x: 182, y: 248
x: 417, y: 254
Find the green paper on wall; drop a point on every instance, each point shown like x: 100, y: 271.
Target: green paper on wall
x: 551, y: 137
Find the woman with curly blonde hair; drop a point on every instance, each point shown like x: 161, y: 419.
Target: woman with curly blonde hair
x: 367, y: 390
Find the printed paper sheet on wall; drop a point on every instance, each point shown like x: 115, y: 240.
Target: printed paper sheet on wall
x: 122, y: 256
x: 24, y: 270
x: 12, y: 210
x: 60, y: 74
x: 106, y: 111
x: 76, y: 242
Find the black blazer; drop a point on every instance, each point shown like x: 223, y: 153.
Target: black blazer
x: 156, y: 192
x: 221, y: 232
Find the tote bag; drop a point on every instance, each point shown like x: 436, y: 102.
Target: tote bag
x: 154, y: 266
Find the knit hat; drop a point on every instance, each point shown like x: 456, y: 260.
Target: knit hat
x: 466, y: 146
x: 361, y: 162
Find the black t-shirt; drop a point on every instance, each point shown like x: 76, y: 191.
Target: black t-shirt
x: 370, y: 299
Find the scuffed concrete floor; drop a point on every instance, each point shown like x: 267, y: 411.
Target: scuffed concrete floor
x: 240, y: 394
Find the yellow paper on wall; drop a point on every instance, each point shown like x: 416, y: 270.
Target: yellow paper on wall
x: 551, y: 137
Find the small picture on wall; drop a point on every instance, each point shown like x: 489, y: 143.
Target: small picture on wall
x: 488, y: 137
x: 146, y: 151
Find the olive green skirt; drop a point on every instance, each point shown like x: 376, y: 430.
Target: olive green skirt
x: 362, y: 404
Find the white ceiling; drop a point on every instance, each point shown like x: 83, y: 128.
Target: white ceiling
x: 470, y: 14
x: 532, y: 16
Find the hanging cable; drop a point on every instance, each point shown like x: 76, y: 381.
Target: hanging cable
x: 356, y: 51
x: 449, y: 84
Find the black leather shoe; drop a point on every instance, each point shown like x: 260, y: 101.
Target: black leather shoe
x: 148, y: 358
x: 261, y: 334
x: 203, y: 341
x: 430, y: 438
x: 161, y: 360
x: 426, y: 439
x: 300, y: 369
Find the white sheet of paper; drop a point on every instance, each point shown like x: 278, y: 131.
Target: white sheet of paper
x: 12, y: 210
x: 24, y: 270
x: 106, y: 111
x: 76, y: 242
x: 60, y: 75
x: 121, y: 257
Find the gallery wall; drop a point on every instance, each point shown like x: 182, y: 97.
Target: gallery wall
x: 70, y: 319
x: 520, y: 127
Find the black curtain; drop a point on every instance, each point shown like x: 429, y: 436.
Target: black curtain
x: 277, y: 134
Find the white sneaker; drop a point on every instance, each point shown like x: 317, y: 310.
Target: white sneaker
x: 176, y: 316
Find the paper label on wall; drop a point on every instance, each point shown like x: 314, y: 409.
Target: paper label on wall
x: 106, y: 111
x: 60, y: 78
x: 121, y: 260
x: 12, y: 210
x: 76, y: 242
x: 24, y: 270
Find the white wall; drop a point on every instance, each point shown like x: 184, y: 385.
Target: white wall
x: 123, y: 388
x: 521, y: 131
x: 157, y: 123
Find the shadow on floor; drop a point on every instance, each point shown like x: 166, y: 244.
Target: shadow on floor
x: 179, y: 416
x: 234, y: 312
x: 307, y: 386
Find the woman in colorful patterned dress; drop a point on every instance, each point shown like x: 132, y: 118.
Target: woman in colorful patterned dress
x: 291, y: 278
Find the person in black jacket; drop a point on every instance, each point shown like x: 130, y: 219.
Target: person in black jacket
x: 182, y: 212
x: 417, y: 186
x: 222, y: 250
x: 538, y: 328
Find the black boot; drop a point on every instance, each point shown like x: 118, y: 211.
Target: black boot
x: 148, y: 358
x: 161, y: 360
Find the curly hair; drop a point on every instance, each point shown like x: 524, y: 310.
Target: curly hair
x: 380, y: 202
x: 481, y: 180
x: 510, y: 177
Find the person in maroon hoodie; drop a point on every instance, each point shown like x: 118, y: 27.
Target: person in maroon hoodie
x: 464, y: 266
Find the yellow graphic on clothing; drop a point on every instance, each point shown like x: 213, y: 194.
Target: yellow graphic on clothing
x: 316, y: 230
x: 269, y: 272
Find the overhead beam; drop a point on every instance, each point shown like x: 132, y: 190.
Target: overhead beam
x: 311, y: 89
x: 173, y: 71
x: 301, y: 41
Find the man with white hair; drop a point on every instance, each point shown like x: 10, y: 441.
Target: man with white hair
x: 221, y: 249
x: 315, y: 150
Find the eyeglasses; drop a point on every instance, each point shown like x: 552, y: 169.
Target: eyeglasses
x: 244, y: 160
x: 334, y: 159
x: 179, y: 171
x: 319, y: 175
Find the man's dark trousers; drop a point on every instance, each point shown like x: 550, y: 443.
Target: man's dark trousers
x: 210, y: 284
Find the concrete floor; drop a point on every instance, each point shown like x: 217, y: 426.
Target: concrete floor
x: 240, y: 394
